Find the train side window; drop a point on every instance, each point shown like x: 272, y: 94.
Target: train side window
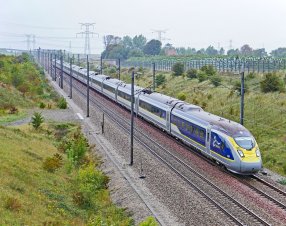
x: 197, y: 131
x: 202, y: 134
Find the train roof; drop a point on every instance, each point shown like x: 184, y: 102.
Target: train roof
x: 161, y: 98
x: 226, y: 126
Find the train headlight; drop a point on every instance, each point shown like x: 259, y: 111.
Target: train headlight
x: 257, y: 152
x: 240, y: 153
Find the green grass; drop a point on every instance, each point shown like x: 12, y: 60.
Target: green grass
x: 6, y: 118
x: 265, y: 114
x: 30, y: 195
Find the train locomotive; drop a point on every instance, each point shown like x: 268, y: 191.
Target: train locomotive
x: 226, y: 142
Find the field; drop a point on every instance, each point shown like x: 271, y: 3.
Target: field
x: 265, y: 113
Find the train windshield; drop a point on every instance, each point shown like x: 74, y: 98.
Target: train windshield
x: 245, y: 142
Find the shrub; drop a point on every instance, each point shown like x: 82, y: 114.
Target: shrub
x: 13, y: 204
x: 178, y: 69
x: 209, y: 70
x: 202, y: 76
x: 250, y: 76
x: 149, y: 221
x: 42, y: 105
x: 13, y: 110
x: 51, y: 164
x: 237, y: 87
x: 37, y: 120
x: 192, y: 73
x: 160, y: 79
x: 62, y: 103
x: 282, y: 181
x: 271, y: 83
x: 216, y: 80
x: 182, y: 96
x: 91, y: 180
x: 77, y: 149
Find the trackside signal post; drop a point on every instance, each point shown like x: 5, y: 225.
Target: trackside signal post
x: 132, y: 119
x: 154, y: 71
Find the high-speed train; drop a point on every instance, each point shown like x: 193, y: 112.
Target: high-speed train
x: 226, y: 142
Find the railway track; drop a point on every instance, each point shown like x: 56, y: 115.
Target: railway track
x: 234, y: 210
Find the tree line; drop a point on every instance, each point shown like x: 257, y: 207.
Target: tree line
x: 127, y: 47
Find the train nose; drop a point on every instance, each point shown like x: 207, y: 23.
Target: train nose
x: 250, y: 167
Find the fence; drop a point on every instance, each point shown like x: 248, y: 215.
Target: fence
x: 222, y: 65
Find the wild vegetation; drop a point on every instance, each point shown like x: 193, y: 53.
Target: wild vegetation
x: 265, y: 103
x: 22, y: 86
x: 44, y: 184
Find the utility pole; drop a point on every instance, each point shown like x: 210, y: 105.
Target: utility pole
x: 101, y: 63
x: 62, y: 72
x: 70, y: 78
x: 55, y: 76
x: 242, y: 99
x: 119, y: 68
x: 87, y: 34
x: 132, y: 119
x: 87, y: 96
x: 154, y: 71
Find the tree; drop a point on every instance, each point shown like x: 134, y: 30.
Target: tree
x: 211, y: 51
x: 221, y: 51
x: 160, y: 79
x: 110, y: 40
x: 279, y: 53
x: 246, y: 50
x: 152, y: 47
x: 259, y: 52
x: 135, y: 53
x: 139, y: 42
x: 233, y: 52
x: 37, y: 120
x: 271, y: 83
x: 178, y: 68
x: 127, y: 42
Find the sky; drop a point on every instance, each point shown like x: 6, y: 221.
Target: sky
x: 188, y: 23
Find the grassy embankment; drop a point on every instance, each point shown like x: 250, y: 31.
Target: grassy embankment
x: 49, y: 179
x: 22, y: 86
x: 265, y: 113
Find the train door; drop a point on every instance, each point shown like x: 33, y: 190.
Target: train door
x: 168, y: 119
x: 208, y: 139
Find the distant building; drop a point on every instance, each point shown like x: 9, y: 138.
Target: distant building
x: 171, y: 51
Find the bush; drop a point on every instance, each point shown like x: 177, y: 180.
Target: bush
x: 160, y: 79
x: 182, y: 96
x: 178, y: 69
x: 42, y: 105
x: 62, y: 103
x: 250, y: 76
x: 13, y: 110
x: 202, y: 76
x: 37, y: 120
x: 51, y: 164
x: 149, y: 221
x: 77, y: 149
x: 209, y: 70
x: 237, y: 87
x: 192, y: 73
x: 216, y: 80
x: 271, y: 83
x: 13, y: 204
